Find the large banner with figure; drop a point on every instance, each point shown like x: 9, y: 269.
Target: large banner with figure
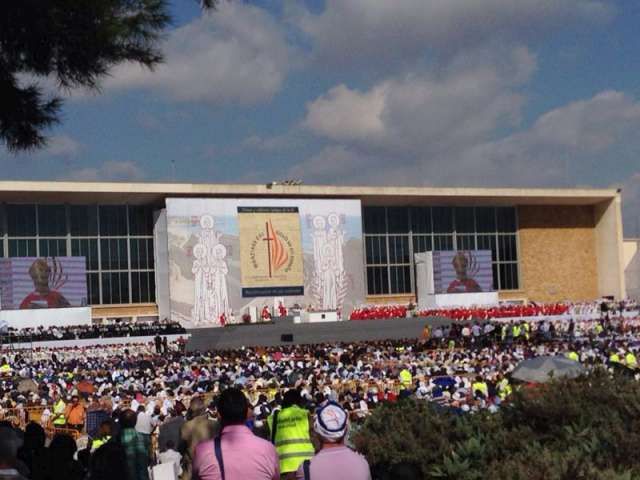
x: 46, y: 282
x: 226, y: 255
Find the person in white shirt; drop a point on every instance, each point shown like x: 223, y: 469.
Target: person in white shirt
x: 171, y: 455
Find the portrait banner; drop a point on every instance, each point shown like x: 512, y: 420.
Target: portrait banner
x: 271, y: 257
x: 462, y: 271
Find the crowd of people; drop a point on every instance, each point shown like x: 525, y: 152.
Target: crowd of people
x: 130, y: 393
x: 92, y: 331
x: 505, y: 310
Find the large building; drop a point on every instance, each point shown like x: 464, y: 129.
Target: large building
x: 547, y: 244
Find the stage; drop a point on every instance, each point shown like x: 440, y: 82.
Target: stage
x: 271, y: 333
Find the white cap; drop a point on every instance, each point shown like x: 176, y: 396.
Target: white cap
x: 331, y: 422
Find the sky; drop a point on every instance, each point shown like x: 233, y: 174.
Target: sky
x: 499, y: 93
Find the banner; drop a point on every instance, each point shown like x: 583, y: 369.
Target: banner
x: 227, y: 256
x: 270, y: 251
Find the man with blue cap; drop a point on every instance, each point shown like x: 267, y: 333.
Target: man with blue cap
x: 334, y: 461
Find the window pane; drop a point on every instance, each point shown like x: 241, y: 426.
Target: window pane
x: 21, y: 220
x: 376, y: 249
x: 466, y: 242
x: 113, y: 253
x: 442, y: 219
x: 398, y: 219
x: 400, y: 279
x: 377, y: 280
x: 140, y: 220
x: 496, y: 281
x: 142, y: 287
x: 507, y: 245
x: 421, y: 220
x: 485, y: 219
x: 84, y: 220
x: 115, y: 288
x: 52, y: 220
x: 93, y: 288
x: 374, y: 220
x: 506, y: 219
x: 53, y: 248
x: 422, y: 243
x: 508, y: 276
x: 488, y: 242
x: 443, y: 242
x: 464, y: 220
x: 399, y: 249
x: 22, y: 248
x: 87, y: 248
x: 113, y: 220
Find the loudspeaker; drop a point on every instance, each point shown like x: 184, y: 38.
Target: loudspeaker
x: 286, y: 337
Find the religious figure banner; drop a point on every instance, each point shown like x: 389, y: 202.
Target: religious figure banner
x: 227, y: 255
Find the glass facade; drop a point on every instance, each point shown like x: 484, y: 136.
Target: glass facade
x: 117, y: 241
x: 393, y: 234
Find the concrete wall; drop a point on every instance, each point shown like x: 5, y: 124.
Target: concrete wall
x: 557, y: 254
x: 609, y: 254
x: 631, y: 250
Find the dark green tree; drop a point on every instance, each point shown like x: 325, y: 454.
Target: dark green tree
x: 74, y: 43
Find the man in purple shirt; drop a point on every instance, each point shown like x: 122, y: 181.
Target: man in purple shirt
x: 244, y: 456
x: 335, y: 461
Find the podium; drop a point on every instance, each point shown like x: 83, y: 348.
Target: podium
x: 318, y: 317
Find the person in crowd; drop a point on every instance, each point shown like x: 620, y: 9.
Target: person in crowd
x: 198, y: 428
x: 171, y: 455
x: 169, y: 431
x: 236, y: 454
x: 290, y: 432
x: 59, y: 462
x: 103, y: 435
x: 109, y: 462
x: 75, y: 414
x: 145, y: 424
x: 135, y: 447
x: 157, y: 340
x: 9, y: 444
x: 334, y: 461
x: 33, y: 448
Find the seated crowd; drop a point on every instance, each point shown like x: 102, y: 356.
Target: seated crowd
x: 506, y: 310
x: 78, y: 332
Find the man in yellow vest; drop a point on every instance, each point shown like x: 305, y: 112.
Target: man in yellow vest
x: 290, y: 433
x: 630, y: 360
x: 58, y: 417
x: 406, y: 379
x: 5, y: 368
x: 480, y: 386
x: 573, y: 355
x: 614, y: 358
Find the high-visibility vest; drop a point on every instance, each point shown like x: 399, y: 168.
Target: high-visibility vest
x: 526, y: 330
x: 58, y: 412
x: 630, y: 360
x: 614, y: 358
x: 291, y: 440
x: 598, y: 328
x: 573, y: 356
x: 503, y: 332
x: 480, y: 387
x: 516, y: 331
x: 504, y: 389
x: 6, y: 368
x: 406, y: 379
x: 98, y: 442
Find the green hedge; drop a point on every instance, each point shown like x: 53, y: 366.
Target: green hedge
x: 587, y: 428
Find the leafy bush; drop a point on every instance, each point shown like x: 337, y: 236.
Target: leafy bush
x: 587, y: 428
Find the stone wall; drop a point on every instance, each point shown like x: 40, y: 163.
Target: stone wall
x: 557, y: 253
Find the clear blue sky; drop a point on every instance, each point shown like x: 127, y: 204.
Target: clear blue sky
x: 406, y: 92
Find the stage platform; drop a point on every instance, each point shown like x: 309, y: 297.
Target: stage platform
x: 271, y: 334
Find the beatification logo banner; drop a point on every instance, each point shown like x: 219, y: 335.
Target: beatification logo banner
x: 271, y: 257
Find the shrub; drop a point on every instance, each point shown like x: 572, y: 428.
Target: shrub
x: 587, y: 428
